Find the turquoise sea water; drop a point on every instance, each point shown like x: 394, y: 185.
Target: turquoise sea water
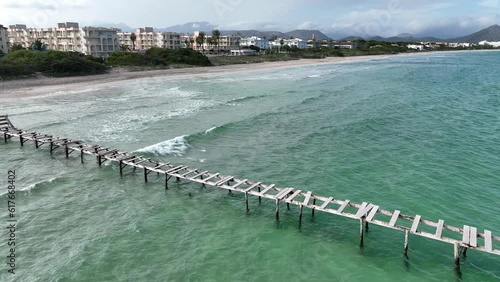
x: 420, y: 134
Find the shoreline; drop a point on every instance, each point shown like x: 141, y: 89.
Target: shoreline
x: 47, y: 85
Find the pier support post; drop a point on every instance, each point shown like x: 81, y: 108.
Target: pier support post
x: 81, y: 156
x: 464, y: 252
x: 314, y: 208
x: 145, y: 174
x: 67, y: 151
x: 260, y: 198
x: 366, y: 226
x: 51, y: 147
x: 300, y: 215
x: 166, y: 181
x: 121, y: 168
x: 5, y: 137
x: 246, y: 201
x: 288, y: 206
x: 456, y: 248
x: 405, y: 250
x: 99, y: 158
x: 361, y: 232
x: 277, y: 210
x: 22, y: 140
x: 36, y: 143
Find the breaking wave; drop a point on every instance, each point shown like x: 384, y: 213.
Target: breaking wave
x: 176, y: 146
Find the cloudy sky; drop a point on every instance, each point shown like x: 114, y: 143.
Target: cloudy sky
x: 440, y: 18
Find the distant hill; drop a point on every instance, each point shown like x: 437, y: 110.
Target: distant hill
x: 491, y: 33
x: 190, y: 27
x: 248, y: 33
x: 307, y: 34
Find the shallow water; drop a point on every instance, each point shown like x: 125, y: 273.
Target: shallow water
x: 419, y: 134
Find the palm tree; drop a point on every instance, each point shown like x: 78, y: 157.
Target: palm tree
x: 200, y: 40
x: 123, y: 48
x: 133, y: 38
x: 282, y: 42
x: 216, y: 37
x: 191, y: 41
x: 38, y: 45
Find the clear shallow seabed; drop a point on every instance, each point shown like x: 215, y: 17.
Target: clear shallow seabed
x: 420, y: 134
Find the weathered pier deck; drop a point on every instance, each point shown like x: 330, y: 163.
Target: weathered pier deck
x: 462, y: 239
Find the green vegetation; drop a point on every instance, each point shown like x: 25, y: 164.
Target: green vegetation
x: 159, y: 57
x: 51, y: 63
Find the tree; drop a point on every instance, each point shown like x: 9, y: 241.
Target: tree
x: 200, y: 40
x: 191, y: 42
x: 216, y: 37
x: 282, y: 42
x: 133, y: 38
x: 17, y: 47
x: 38, y: 45
x: 124, y: 48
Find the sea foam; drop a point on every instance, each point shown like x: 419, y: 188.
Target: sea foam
x: 176, y: 146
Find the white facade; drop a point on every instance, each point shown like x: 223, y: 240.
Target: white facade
x: 457, y: 45
x: 254, y: 41
x: 147, y: 38
x: 96, y: 41
x: 487, y: 43
x: 416, y: 47
x: 226, y: 43
x: 297, y: 42
x: 4, y: 41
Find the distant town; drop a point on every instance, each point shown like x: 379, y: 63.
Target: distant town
x: 101, y: 42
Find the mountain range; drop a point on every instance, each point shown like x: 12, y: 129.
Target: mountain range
x: 491, y: 33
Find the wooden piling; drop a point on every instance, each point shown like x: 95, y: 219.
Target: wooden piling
x: 81, y: 156
x: 66, y: 151
x: 166, y: 181
x: 145, y: 175
x: 314, y: 208
x: 300, y: 215
x: 405, y: 250
x: 21, y: 139
x: 277, y: 210
x: 260, y: 198
x: 464, y: 252
x: 456, y: 248
x: 99, y: 160
x: 246, y: 202
x: 361, y: 231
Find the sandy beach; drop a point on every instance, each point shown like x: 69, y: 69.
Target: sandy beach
x: 46, y: 85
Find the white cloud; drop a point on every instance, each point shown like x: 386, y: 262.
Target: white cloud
x: 490, y: 3
x: 45, y: 5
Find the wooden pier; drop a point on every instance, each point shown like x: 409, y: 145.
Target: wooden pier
x: 366, y: 213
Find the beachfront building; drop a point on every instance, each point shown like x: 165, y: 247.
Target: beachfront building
x: 297, y: 42
x: 488, y: 43
x: 254, y: 41
x: 69, y: 36
x: 147, y: 38
x: 226, y: 43
x: 415, y: 47
x: 243, y: 52
x: 460, y: 45
x: 4, y: 41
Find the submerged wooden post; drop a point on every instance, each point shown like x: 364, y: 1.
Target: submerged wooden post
x: 288, y: 206
x: 314, y: 208
x: 464, y: 252
x: 405, y: 250
x: 366, y: 226
x: 67, y: 152
x: 22, y: 140
x: 457, y: 256
x: 260, y: 198
x: 246, y: 201
x: 5, y: 137
x: 81, y: 156
x: 166, y: 181
x: 145, y: 174
x: 277, y: 209
x: 99, y: 157
x: 51, y: 146
x: 36, y: 143
x: 300, y: 215
x: 361, y: 231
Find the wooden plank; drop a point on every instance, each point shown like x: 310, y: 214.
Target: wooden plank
x: 174, y: 169
x: 295, y: 194
x: 308, y: 197
x: 439, y: 229
x: 416, y: 222
x: 240, y: 182
x: 284, y: 193
x: 198, y: 175
x: 364, y: 209
x: 186, y: 173
x: 326, y: 203
x: 210, y: 177
x: 394, y: 218
x: 466, y: 235
x: 373, y: 212
x: 488, y: 242
x: 252, y: 186
x: 160, y: 165
x: 267, y: 189
x: 343, y: 206
x: 222, y: 181
x: 473, y: 236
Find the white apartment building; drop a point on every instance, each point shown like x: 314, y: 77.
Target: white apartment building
x: 4, y: 46
x: 297, y: 42
x: 226, y: 43
x: 95, y: 41
x: 415, y: 47
x: 488, y: 43
x: 254, y: 41
x: 147, y: 38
